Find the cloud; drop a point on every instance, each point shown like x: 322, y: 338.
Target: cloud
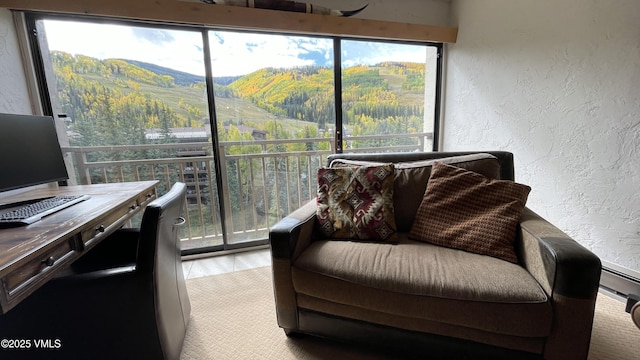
x: 155, y: 36
x: 371, y: 52
x: 219, y: 38
x: 251, y: 46
x: 176, y: 49
x: 233, y: 53
x: 240, y: 53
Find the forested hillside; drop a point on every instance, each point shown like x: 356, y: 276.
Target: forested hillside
x: 113, y: 101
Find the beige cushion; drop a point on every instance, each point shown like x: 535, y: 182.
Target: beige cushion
x: 465, y: 210
x: 357, y: 203
x: 410, y: 180
x: 425, y: 281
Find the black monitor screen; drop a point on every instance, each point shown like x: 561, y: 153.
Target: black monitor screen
x: 29, y: 151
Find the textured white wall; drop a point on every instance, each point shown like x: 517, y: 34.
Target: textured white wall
x: 14, y: 96
x: 558, y: 84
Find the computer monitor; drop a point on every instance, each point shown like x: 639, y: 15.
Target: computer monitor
x: 29, y: 152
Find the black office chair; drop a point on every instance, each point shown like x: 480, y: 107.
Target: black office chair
x: 124, y: 299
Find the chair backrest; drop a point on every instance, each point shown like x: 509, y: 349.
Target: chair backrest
x: 159, y: 257
x: 504, y: 157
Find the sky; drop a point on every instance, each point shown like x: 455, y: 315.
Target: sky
x: 232, y: 53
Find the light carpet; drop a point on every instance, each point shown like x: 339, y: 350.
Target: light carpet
x: 233, y: 317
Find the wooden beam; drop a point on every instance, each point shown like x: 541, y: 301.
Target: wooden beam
x: 201, y: 14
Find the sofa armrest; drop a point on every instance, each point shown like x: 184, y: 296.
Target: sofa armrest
x: 288, y: 238
x: 292, y: 234
x: 570, y: 274
x: 559, y: 263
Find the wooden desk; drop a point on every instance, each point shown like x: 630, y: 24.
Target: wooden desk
x: 33, y: 254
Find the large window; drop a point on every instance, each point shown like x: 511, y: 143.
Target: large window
x: 388, y: 96
x: 245, y: 119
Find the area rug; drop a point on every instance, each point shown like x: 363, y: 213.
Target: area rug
x: 233, y: 317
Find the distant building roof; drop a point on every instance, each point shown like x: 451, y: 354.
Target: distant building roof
x: 200, y: 132
x: 180, y: 133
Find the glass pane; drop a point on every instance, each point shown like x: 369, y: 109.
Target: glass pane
x: 388, y: 96
x: 275, y: 109
x: 134, y: 106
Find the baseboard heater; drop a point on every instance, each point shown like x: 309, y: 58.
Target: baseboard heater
x: 621, y: 281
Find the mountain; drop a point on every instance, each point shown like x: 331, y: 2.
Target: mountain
x: 106, y: 97
x: 389, y: 89
x: 225, y: 80
x: 180, y: 78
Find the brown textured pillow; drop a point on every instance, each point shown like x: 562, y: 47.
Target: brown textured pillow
x: 464, y: 210
x: 357, y: 203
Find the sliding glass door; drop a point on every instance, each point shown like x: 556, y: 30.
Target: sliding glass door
x: 273, y: 95
x: 133, y: 104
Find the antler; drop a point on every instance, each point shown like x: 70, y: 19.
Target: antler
x: 286, y: 5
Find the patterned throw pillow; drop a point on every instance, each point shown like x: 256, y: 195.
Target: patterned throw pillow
x: 357, y: 203
x: 464, y: 210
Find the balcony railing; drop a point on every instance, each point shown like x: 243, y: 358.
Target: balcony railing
x: 262, y: 180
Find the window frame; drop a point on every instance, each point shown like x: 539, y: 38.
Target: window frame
x: 40, y: 71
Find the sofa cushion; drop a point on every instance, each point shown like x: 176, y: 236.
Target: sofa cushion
x: 465, y: 210
x: 357, y: 203
x: 425, y: 281
x: 410, y: 180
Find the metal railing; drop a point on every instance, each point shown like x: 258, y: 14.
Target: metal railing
x: 262, y: 180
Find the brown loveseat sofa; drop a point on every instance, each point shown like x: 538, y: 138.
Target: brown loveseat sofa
x: 428, y: 301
